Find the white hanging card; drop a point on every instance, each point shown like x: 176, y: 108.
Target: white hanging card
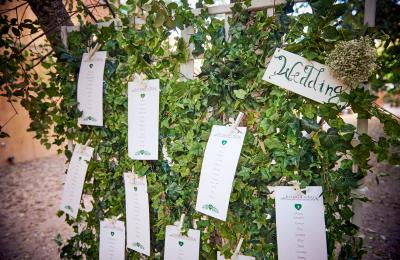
x: 75, y: 179
x: 218, y: 170
x: 300, y: 223
x: 90, y: 89
x: 143, y: 110
x: 112, y: 240
x: 239, y: 257
x: 137, y: 213
x: 179, y: 247
x: 306, y: 78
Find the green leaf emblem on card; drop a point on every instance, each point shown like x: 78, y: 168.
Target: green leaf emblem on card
x: 135, y: 188
x: 142, y: 152
x: 224, y: 142
x: 142, y: 95
x: 139, y: 245
x: 89, y: 118
x: 210, y: 207
x: 68, y: 207
x: 180, y: 243
x: 297, y: 206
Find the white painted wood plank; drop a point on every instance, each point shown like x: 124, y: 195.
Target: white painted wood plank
x: 369, y: 13
x: 255, y: 5
x: 187, y: 70
x: 362, y: 128
x: 226, y: 27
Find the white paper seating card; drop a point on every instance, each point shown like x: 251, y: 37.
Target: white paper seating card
x: 112, y: 240
x: 90, y: 89
x: 75, y: 179
x: 143, y: 112
x: 218, y: 170
x: 238, y: 257
x: 307, y: 78
x: 137, y: 213
x: 179, y: 247
x: 300, y: 223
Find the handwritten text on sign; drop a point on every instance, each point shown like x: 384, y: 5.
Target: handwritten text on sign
x: 307, y: 78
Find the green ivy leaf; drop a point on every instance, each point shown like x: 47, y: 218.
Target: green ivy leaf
x: 240, y: 93
x: 159, y: 19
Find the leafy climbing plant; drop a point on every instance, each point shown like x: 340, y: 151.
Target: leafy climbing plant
x: 285, y: 140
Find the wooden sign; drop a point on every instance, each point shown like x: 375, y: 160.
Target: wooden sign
x: 307, y: 78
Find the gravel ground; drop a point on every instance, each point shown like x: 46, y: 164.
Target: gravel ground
x: 381, y: 222
x: 381, y: 215
x: 30, y: 194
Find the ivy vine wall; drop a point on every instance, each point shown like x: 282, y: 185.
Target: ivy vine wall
x: 284, y: 142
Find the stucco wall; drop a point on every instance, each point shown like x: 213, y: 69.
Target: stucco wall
x: 21, y: 144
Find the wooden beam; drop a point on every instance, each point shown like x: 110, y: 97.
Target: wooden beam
x: 226, y: 9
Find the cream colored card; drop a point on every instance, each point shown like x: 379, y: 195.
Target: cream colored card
x: 143, y: 117
x: 137, y: 213
x: 218, y: 170
x: 306, y: 78
x: 75, y: 179
x: 179, y: 247
x: 300, y: 223
x: 90, y: 89
x: 112, y: 240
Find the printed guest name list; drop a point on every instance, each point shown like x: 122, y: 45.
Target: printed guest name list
x: 218, y: 170
x: 75, y: 179
x: 143, y: 116
x: 300, y: 223
x: 90, y: 89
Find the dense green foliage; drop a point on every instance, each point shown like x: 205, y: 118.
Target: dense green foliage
x: 20, y: 73
x: 285, y: 139
x: 387, y: 77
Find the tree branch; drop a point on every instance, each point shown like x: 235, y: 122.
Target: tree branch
x: 87, y: 11
x: 51, y: 15
x: 14, y: 8
x: 42, y: 34
x: 40, y: 60
x: 109, y: 7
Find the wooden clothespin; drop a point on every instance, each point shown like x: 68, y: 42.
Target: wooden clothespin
x: 236, y: 124
x: 133, y: 175
x: 139, y: 80
x: 92, y: 51
x: 237, y: 250
x: 296, y: 187
x: 180, y: 225
x: 114, y: 219
x: 83, y: 147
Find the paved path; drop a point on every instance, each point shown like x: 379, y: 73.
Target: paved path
x: 30, y: 194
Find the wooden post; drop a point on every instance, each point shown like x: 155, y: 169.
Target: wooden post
x: 226, y: 27
x: 362, y: 124
x: 187, y: 69
x: 370, y: 13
